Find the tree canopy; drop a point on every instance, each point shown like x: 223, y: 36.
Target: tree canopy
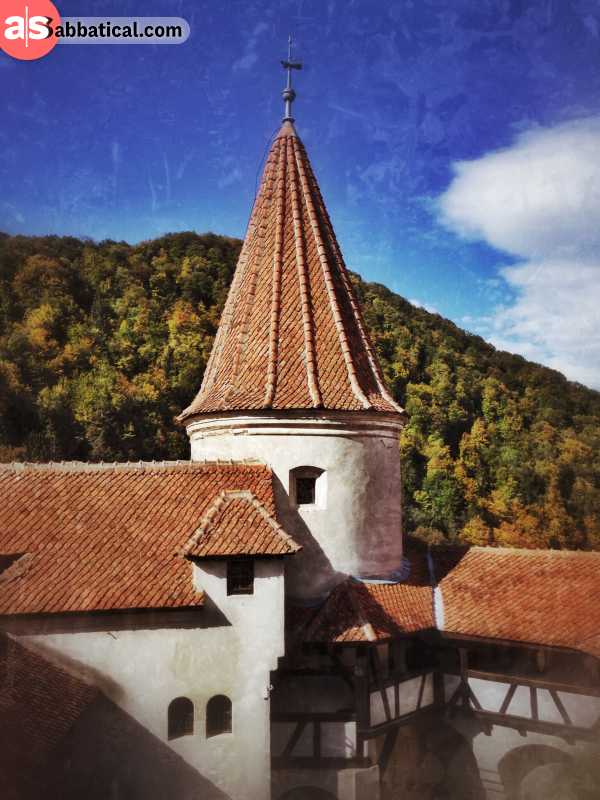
x: 103, y: 344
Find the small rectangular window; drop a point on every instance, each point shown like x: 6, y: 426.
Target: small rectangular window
x: 305, y: 491
x: 240, y: 576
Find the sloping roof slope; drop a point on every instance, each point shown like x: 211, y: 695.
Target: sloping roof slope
x: 547, y: 597
x: 543, y: 597
x: 92, y: 538
x: 39, y: 703
x: 292, y: 334
x: 237, y: 524
x: 362, y: 611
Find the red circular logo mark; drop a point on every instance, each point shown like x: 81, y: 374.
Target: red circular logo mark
x: 27, y: 28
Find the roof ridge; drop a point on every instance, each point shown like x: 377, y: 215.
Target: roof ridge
x: 526, y: 551
x: 107, y: 466
x: 372, y: 359
x: 305, y: 304
x: 356, y: 603
x: 333, y: 302
x: 275, y: 313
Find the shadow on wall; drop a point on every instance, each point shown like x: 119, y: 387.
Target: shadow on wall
x: 311, y: 560
x: 63, y: 739
x: 108, y: 754
x: 518, y: 767
x: 430, y: 760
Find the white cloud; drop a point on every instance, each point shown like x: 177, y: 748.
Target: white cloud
x: 540, y: 201
x: 426, y: 306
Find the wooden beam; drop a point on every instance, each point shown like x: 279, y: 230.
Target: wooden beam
x: 561, y: 709
x: 456, y: 695
x: 308, y: 762
x: 401, y: 677
x: 362, y: 699
x: 376, y: 664
x: 310, y: 672
x: 540, y: 683
x: 461, y: 637
x: 509, y: 696
x: 406, y: 719
x: 313, y: 716
x: 524, y: 724
x: 473, y: 698
x: 421, y: 691
x: 534, y: 702
x: 317, y: 739
x: 294, y: 739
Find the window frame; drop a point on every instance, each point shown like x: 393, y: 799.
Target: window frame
x: 316, y: 474
x: 235, y: 584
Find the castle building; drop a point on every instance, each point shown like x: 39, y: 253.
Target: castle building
x: 246, y: 624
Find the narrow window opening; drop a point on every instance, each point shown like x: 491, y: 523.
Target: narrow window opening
x: 306, y: 491
x: 218, y: 715
x: 240, y: 576
x: 180, y: 718
x: 308, y: 487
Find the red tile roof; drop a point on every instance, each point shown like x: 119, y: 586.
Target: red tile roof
x: 547, y: 597
x: 359, y: 611
x: 292, y: 334
x: 544, y: 597
x: 95, y: 538
x: 39, y: 704
x: 236, y: 524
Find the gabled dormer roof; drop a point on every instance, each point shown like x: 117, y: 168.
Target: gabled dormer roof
x: 108, y: 537
x: 237, y: 524
x: 292, y: 334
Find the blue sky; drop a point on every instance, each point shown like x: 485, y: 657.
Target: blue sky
x: 449, y: 138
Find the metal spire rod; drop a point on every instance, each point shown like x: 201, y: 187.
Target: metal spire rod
x: 289, y: 95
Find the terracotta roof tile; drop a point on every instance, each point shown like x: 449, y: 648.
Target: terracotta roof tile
x: 79, y: 537
x: 292, y: 334
x: 358, y: 611
x: 544, y: 597
x: 39, y: 704
x: 236, y: 523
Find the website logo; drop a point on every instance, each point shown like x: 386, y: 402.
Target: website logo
x: 31, y: 28
x: 26, y: 28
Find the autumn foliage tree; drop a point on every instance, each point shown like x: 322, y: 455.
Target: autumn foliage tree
x: 102, y: 344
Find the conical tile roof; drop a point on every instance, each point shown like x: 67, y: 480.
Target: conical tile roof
x: 292, y: 334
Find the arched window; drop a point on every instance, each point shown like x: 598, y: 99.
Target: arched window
x: 180, y: 718
x: 218, y: 715
x: 308, y: 487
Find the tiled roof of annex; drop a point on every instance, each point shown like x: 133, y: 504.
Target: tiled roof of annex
x: 292, y: 334
x: 85, y: 537
x: 39, y: 704
x: 536, y: 597
x: 546, y: 597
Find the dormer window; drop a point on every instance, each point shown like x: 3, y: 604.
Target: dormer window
x: 308, y: 487
x: 240, y: 576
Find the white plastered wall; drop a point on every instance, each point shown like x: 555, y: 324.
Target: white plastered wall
x: 142, y: 670
x: 358, y: 529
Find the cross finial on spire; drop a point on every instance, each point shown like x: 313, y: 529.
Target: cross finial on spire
x: 289, y: 95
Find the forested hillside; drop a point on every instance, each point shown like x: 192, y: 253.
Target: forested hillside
x: 101, y: 345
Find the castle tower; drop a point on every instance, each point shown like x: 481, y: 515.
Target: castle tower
x: 293, y: 380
